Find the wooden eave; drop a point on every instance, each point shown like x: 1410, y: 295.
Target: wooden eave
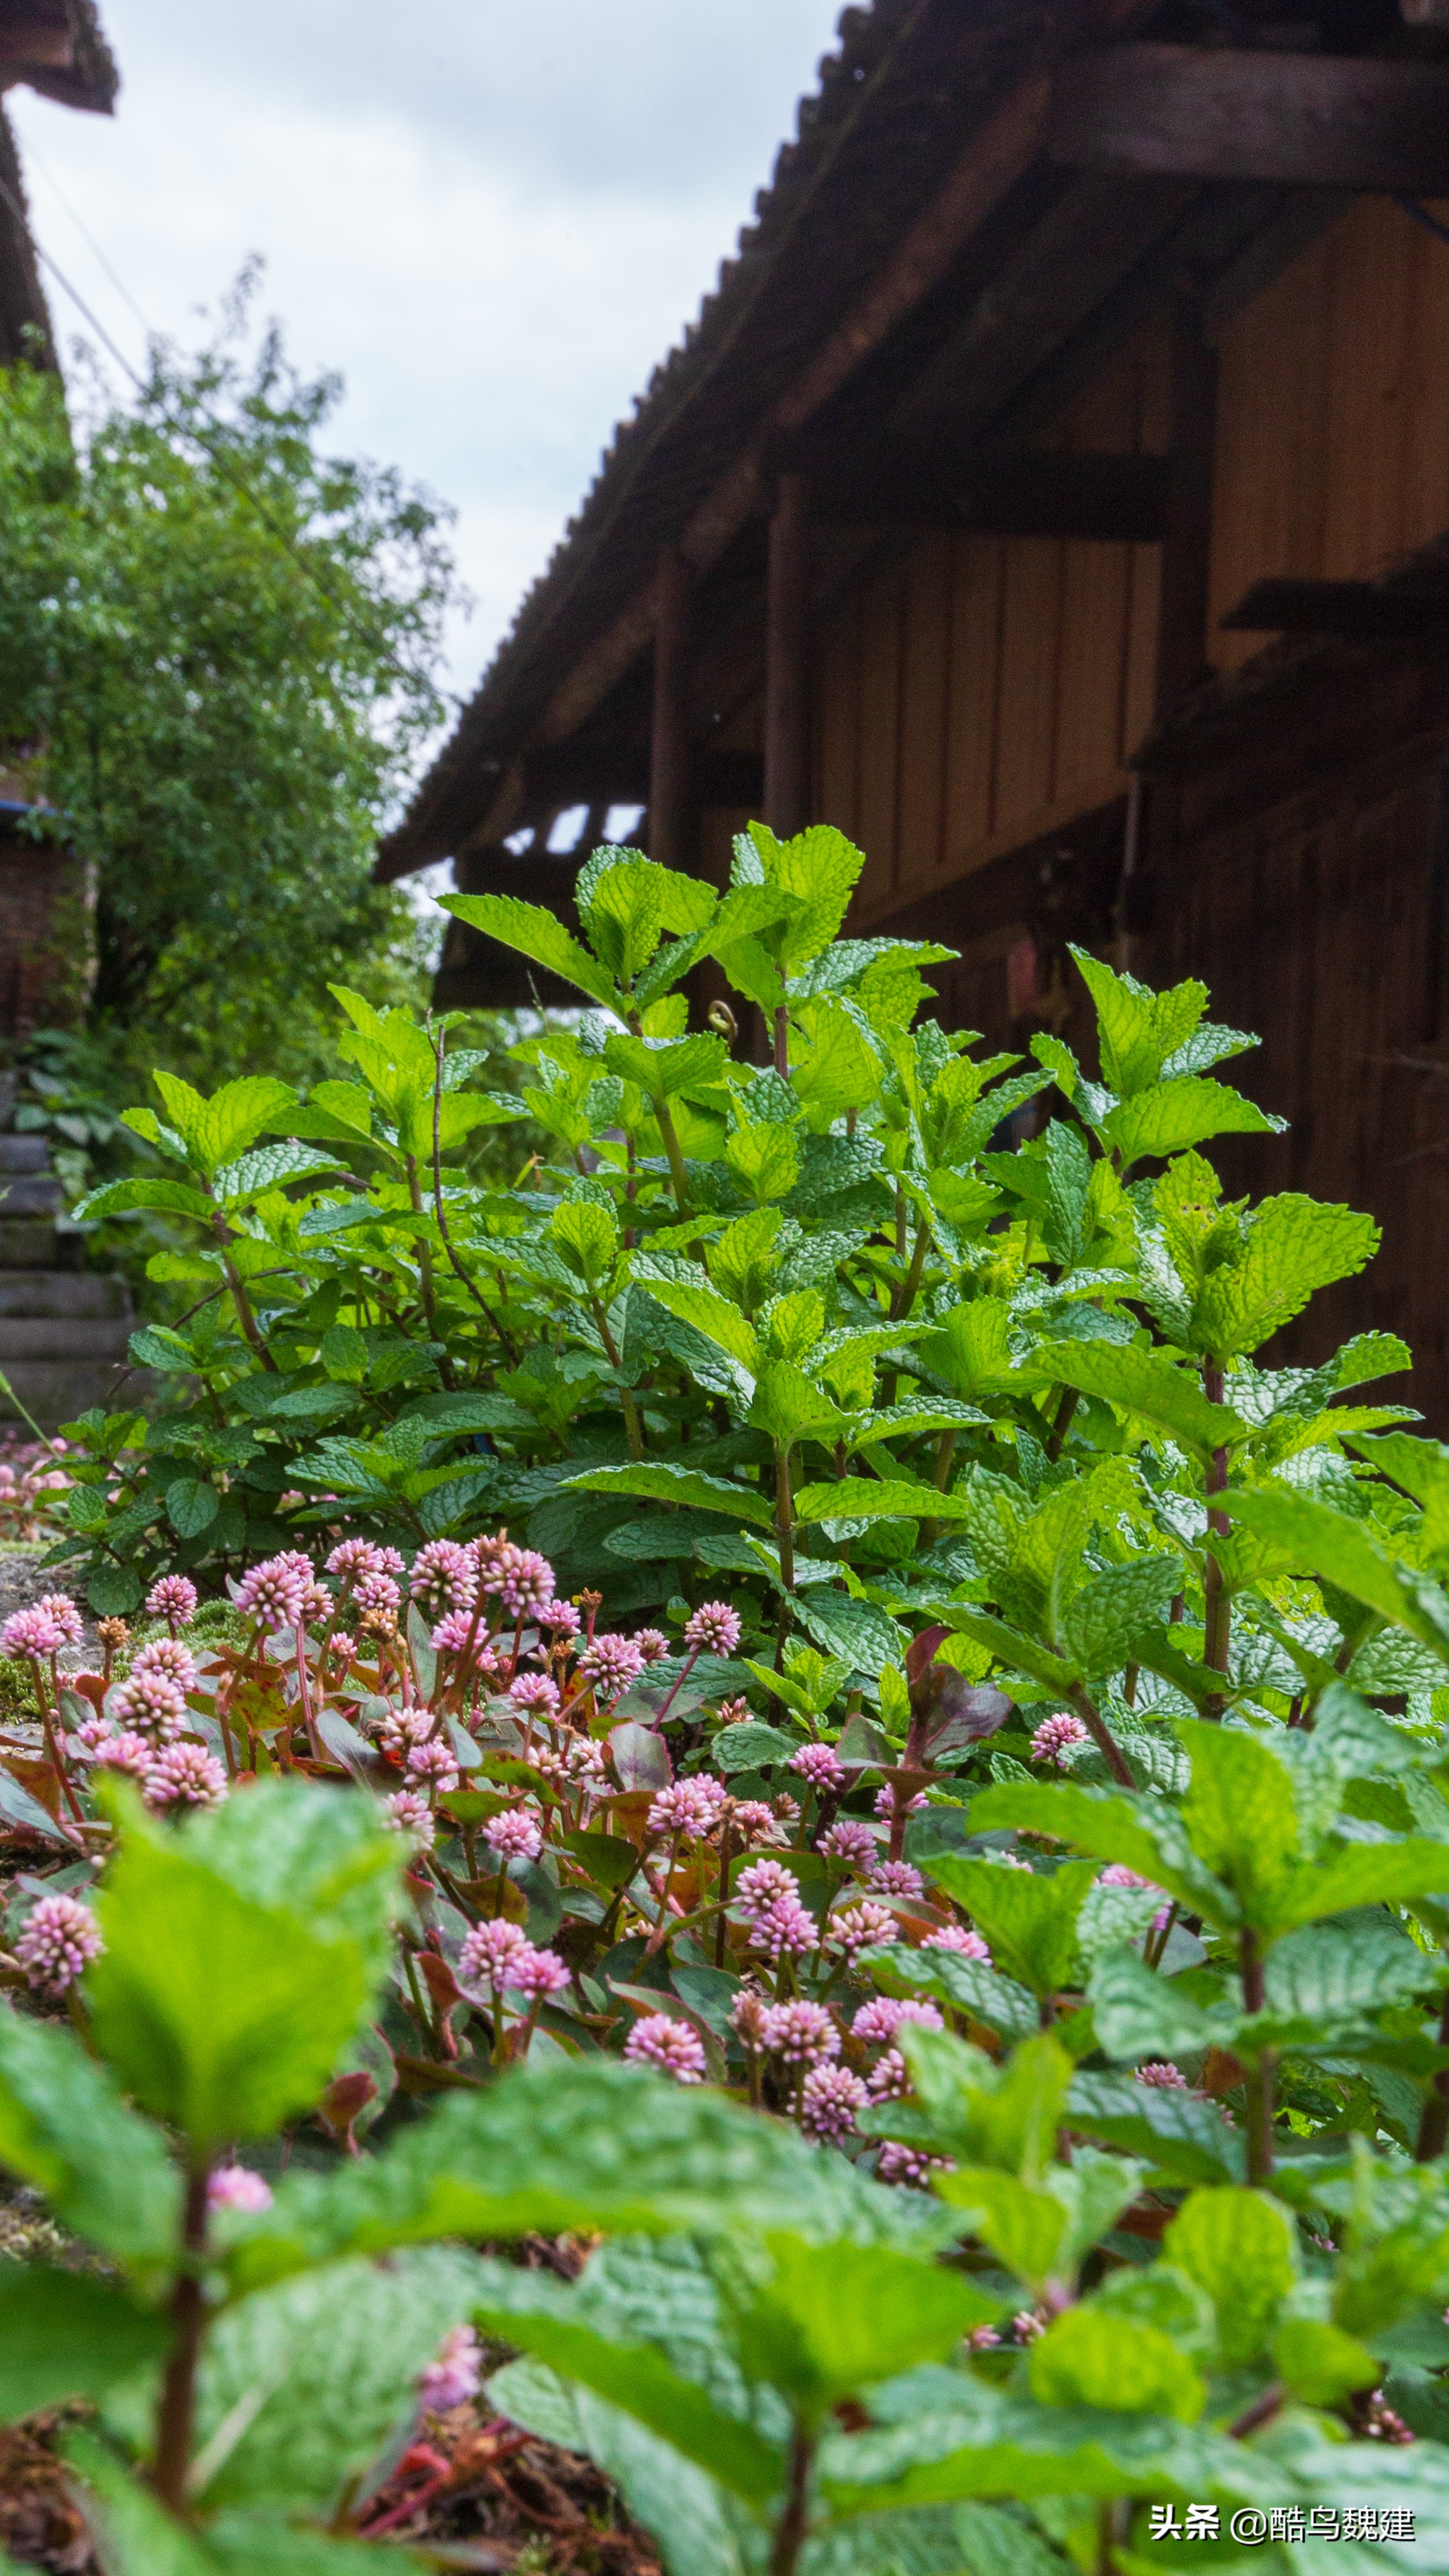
x: 968, y: 225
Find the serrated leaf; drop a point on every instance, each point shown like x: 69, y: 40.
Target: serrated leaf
x: 688, y: 1486
x: 1141, y: 1382
x: 67, y: 2335
x: 965, y: 1985
x: 1185, y: 2138
x: 1028, y: 1920
x: 65, y: 2128
x: 1183, y: 1112
x: 1292, y: 1247
x: 536, y: 933
x: 1103, y: 1622
x: 122, y: 1198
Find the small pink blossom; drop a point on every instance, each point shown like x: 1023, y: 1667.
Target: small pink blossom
x: 830, y: 2098
x: 514, y: 1834
x: 170, y: 1657
x: 172, y: 1599
x: 821, y: 1765
x: 733, y: 1712
x: 692, y: 1807
x: 748, y: 2016
x: 909, y: 2169
x: 535, y: 1694
x: 785, y: 1925
x: 377, y: 1590
x: 184, y: 1775
x: 538, y: 1974
x: 451, y: 1635
x: 91, y: 1732
x: 272, y: 1593
x: 955, y: 1936
x: 800, y: 2033
x: 753, y: 1820
x: 762, y: 1884
x: 354, y: 1556
x: 435, y: 1764
x: 585, y: 1759
x: 658, y: 2040
x: 560, y: 1617
x: 982, y: 2339
x: 444, y: 1577
x: 152, y: 1703
x: 60, y: 1607
x: 32, y: 1635
x: 127, y: 1753
x: 611, y: 1664
x: 714, y: 1629
x: 878, y: 2021
x: 455, y: 2375
x: 1163, y: 2076
x: 850, y: 1842
x: 890, y: 2077
x: 237, y: 2187
x: 343, y: 1646
x: 1055, y: 1737
x: 885, y: 1802
x: 863, y: 1926
x: 490, y: 1949
x: 895, y: 1878
x: 407, y: 1813
x: 58, y: 1941
x: 519, y: 1578
x: 652, y: 1643
x: 1028, y: 2325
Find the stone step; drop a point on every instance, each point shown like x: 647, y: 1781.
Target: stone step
x: 71, y: 1293
x: 24, y: 1154
x: 51, y: 1337
x: 32, y: 1243
x: 33, y: 1194
x: 57, y: 1391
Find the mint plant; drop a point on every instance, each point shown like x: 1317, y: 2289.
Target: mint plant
x: 1027, y: 1796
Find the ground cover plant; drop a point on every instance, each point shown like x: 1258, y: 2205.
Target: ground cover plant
x: 899, y: 1801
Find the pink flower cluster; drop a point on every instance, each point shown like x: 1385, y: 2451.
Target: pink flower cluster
x: 57, y: 1944
x: 658, y: 2040
x: 1055, y: 1738
x: 690, y: 1807
x: 500, y: 1954
x: 767, y: 1895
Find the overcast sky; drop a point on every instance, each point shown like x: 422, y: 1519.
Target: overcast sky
x: 493, y: 220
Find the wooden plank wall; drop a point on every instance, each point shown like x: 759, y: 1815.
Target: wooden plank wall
x: 1333, y: 414
x: 977, y: 692
x: 1318, y: 920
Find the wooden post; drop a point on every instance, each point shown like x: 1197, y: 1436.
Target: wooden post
x: 670, y: 783
x: 1187, y: 534
x: 787, y: 672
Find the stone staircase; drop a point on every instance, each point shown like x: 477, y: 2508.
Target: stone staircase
x: 63, y: 1329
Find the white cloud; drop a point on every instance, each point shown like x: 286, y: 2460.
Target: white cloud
x: 492, y: 221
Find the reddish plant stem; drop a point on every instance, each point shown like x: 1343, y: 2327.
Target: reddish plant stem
x: 1262, y: 2075
x: 1217, y: 1604
x: 1062, y: 1423
x: 1101, y: 1735
x: 1434, y: 2123
x: 177, y: 2408
x: 793, y: 2526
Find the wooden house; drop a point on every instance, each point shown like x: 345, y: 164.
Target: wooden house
x: 1054, y: 494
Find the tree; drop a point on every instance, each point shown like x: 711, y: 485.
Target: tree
x: 221, y: 645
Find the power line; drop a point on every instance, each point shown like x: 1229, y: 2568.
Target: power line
x: 88, y: 237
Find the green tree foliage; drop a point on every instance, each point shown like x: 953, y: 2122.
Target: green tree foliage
x: 219, y: 643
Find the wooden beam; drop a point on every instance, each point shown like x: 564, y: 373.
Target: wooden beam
x: 1299, y: 120
x: 669, y: 794
x: 620, y: 774
x: 787, y: 660
x: 1013, y: 492
x: 1187, y: 533
x: 1072, y: 261
x: 1361, y: 612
